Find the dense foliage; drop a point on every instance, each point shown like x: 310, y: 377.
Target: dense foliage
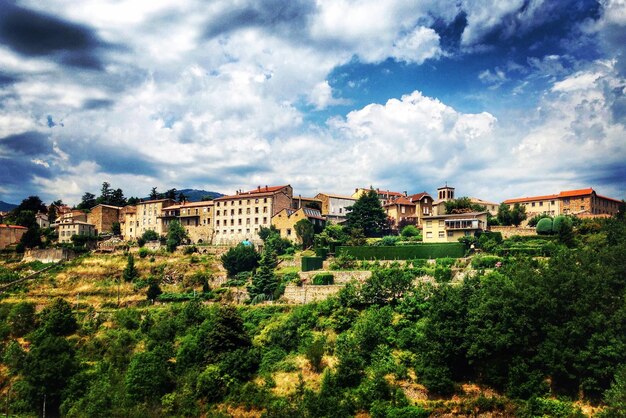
x: 367, y: 215
x: 541, y: 331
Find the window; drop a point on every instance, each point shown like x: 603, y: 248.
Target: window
x: 240, y: 202
x: 256, y: 200
x: 239, y: 221
x: 552, y: 202
x: 264, y: 209
x: 288, y: 231
x: 264, y: 220
x: 265, y: 200
x: 247, y: 221
x: 540, y: 203
x: 533, y: 204
x: 232, y: 203
x: 197, y: 211
x: 450, y: 233
x: 218, y: 204
x: 240, y: 211
x: 442, y: 223
x: 429, y: 235
x: 232, y: 222
x: 442, y: 234
x: 218, y: 213
x: 256, y: 221
x: 232, y: 212
x: 217, y: 223
x: 582, y: 207
x: 340, y: 210
x: 247, y: 211
x: 429, y: 224
x: 403, y: 209
x: 256, y: 210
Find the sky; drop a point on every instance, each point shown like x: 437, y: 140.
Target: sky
x: 499, y: 99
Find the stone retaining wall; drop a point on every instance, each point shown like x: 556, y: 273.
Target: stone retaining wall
x: 49, y: 255
x: 340, y: 277
x: 309, y: 293
x: 509, y: 231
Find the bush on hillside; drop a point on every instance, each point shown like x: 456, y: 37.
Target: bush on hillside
x: 544, y: 226
x: 240, y: 258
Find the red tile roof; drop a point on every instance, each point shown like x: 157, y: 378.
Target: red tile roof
x: 418, y: 196
x: 12, y: 226
x: 609, y: 198
x: 401, y: 201
x: 579, y: 192
x: 532, y: 198
x: 259, y: 191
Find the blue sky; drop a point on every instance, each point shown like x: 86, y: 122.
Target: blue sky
x: 499, y: 99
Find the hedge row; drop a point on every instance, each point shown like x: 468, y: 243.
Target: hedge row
x: 405, y: 252
x: 312, y: 263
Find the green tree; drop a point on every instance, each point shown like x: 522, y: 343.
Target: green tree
x: 116, y: 228
x: 48, y: 367
x: 544, y: 226
x: 130, y: 273
x: 504, y: 215
x: 154, y: 290
x: 150, y: 235
x: 463, y: 205
x: 240, y: 258
x: 154, y: 194
x: 106, y: 193
x: 518, y: 214
x: 147, y: 377
x: 87, y: 202
x: 176, y: 234
x: 305, y: 232
x: 264, y: 282
x: 368, y: 215
x: 21, y: 318
x: 315, y: 352
x: 58, y: 318
x: 52, y: 214
x: 615, y: 397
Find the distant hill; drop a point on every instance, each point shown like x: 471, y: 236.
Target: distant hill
x: 195, y: 195
x: 6, y: 207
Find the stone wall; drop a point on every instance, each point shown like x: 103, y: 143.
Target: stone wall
x: 509, y: 231
x: 309, y: 293
x: 340, y: 277
x: 10, y: 235
x: 49, y: 255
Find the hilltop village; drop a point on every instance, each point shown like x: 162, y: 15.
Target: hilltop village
x: 231, y: 219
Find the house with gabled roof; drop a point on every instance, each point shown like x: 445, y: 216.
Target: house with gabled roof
x: 286, y: 219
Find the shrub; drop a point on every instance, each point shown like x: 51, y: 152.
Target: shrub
x: 240, y: 258
x: 410, y: 231
x: 190, y: 249
x: 143, y: 252
x: 323, y: 279
x: 544, y: 226
x: 485, y: 261
x: 149, y: 235
x: 312, y: 263
x: 404, y: 252
x: 315, y: 352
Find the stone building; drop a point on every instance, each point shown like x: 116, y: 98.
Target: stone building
x: 195, y: 217
x: 11, y: 234
x: 148, y: 216
x: 286, y: 219
x: 240, y: 216
x: 128, y: 222
x: 68, y: 228
x: 569, y: 202
x: 334, y: 207
x: 103, y: 217
x: 449, y: 228
x: 42, y: 220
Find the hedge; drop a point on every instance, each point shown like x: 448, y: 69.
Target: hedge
x: 405, y: 252
x: 312, y: 263
x: 323, y: 279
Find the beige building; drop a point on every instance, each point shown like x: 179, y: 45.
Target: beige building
x: 42, y: 220
x: 569, y: 202
x: 148, y: 216
x: 11, y: 234
x: 68, y: 228
x: 103, y: 217
x: 492, y: 207
x: 128, y: 222
x: 195, y: 217
x: 286, y: 219
x: 240, y: 216
x: 449, y: 228
x: 334, y: 207
x: 400, y: 212
x: 444, y: 194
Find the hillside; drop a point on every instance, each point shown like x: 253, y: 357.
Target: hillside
x: 6, y: 207
x: 195, y: 195
x: 494, y: 341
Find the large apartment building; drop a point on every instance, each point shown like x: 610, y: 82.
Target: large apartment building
x: 240, y: 216
x: 568, y: 202
x: 195, y: 217
x: 449, y: 228
x: 148, y: 216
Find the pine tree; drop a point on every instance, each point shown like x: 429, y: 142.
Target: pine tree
x: 265, y: 280
x: 367, y: 214
x: 130, y: 272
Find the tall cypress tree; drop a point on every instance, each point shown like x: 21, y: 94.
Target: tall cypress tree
x: 265, y: 281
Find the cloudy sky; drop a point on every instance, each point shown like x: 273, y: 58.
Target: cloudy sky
x: 500, y: 99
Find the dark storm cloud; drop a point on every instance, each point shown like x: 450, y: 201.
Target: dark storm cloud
x: 610, y: 175
x: 27, y: 143
x: 291, y: 15
x: 6, y: 79
x: 32, y: 33
x: 18, y: 172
